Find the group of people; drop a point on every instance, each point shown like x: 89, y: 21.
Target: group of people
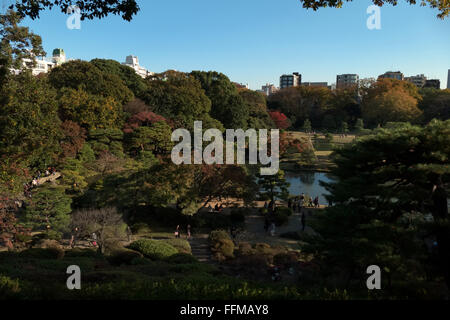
x: 217, y: 208
x: 178, y: 232
x: 28, y: 187
x: 297, y: 203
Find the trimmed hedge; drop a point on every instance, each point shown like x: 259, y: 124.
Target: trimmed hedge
x: 221, y: 245
x: 181, y: 245
x: 284, y: 210
x: 154, y: 249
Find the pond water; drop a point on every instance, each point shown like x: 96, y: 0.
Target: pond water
x: 308, y: 183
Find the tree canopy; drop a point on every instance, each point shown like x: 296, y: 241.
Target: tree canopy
x: 442, y: 5
x: 89, y: 9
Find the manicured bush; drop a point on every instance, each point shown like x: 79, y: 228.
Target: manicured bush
x: 153, y: 249
x: 222, y: 246
x: 181, y: 245
x: 217, y: 235
x: 182, y: 258
x: 284, y: 210
x: 123, y: 256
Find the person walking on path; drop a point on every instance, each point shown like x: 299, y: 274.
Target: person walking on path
x: 188, y: 231
x: 129, y: 233
x: 303, y: 220
x: 177, y: 232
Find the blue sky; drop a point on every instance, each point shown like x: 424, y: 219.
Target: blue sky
x: 255, y: 41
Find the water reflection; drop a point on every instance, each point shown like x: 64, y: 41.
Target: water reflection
x: 308, y: 183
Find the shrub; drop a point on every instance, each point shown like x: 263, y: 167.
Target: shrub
x: 153, y: 249
x: 253, y: 262
x: 262, y: 248
x: 182, y: 258
x: 41, y: 253
x: 245, y: 249
x: 217, y: 235
x: 223, y: 249
x: 211, y: 221
x: 8, y: 288
x: 221, y: 245
x: 123, y: 256
x: 284, y: 210
x: 181, y: 245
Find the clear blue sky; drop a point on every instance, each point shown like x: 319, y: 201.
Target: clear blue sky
x: 255, y: 41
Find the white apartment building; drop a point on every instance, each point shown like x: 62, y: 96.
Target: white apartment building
x: 133, y: 62
x: 45, y: 65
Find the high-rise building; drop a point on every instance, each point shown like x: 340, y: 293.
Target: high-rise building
x: 315, y: 84
x: 346, y: 80
x: 133, y: 62
x: 448, y: 79
x: 392, y: 75
x: 269, y: 89
x: 290, y: 80
x: 418, y: 80
x: 433, y: 83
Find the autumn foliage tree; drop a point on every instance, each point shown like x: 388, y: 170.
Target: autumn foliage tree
x: 390, y: 100
x: 280, y: 120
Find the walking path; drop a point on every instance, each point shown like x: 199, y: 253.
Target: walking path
x: 200, y: 248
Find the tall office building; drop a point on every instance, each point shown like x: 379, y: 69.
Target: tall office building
x: 346, y: 80
x: 290, y: 80
x: 448, y: 79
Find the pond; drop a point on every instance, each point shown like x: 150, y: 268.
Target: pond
x: 308, y: 183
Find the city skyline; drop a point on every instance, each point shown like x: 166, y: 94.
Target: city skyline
x: 263, y: 42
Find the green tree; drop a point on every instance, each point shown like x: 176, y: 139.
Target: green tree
x: 86, y: 76
x: 259, y: 117
x: 359, y: 125
x: 155, y: 138
x: 435, y: 104
x: 227, y: 105
x: 179, y: 96
x: 307, y: 126
x: 48, y: 209
x: 389, y: 196
x: 128, y: 75
x: 17, y: 44
x: 89, y: 9
x: 274, y: 186
x: 29, y: 123
x: 442, y: 5
x: 89, y: 110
